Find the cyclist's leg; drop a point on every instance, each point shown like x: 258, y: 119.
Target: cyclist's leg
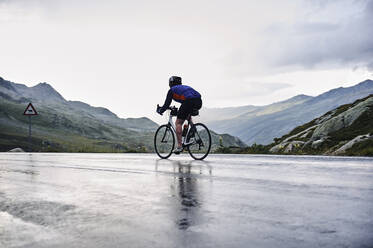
x: 196, y: 105
x: 183, y: 113
x: 179, y: 130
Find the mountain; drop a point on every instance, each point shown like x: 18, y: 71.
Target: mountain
x: 261, y: 124
x: 346, y: 130
x: 216, y: 116
x: 42, y: 92
x: 72, y: 126
x: 45, y: 96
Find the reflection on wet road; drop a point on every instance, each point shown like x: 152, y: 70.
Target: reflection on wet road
x: 186, y: 190
x: 137, y: 200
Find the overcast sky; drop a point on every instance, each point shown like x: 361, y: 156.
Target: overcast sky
x: 120, y: 54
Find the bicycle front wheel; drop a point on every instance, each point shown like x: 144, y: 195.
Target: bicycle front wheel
x: 164, y: 141
x: 200, y: 137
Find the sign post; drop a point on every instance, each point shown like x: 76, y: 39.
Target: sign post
x: 29, y: 111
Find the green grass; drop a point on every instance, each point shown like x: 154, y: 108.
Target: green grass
x: 64, y: 131
x: 362, y: 125
x: 53, y: 130
x: 69, y: 143
x: 364, y: 148
x: 254, y: 149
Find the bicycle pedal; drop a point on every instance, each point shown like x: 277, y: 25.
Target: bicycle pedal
x: 187, y: 144
x: 178, y: 150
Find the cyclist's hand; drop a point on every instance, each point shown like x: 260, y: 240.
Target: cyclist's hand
x: 159, y: 110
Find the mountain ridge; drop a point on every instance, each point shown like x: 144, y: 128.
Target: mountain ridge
x: 226, y: 113
x: 45, y: 93
x: 261, y: 129
x: 346, y: 130
x: 73, y: 126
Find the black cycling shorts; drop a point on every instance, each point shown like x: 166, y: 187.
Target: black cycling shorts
x: 188, y: 106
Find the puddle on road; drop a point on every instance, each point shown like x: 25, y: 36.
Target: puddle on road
x: 43, y: 213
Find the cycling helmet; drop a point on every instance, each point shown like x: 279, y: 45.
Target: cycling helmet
x: 174, y: 80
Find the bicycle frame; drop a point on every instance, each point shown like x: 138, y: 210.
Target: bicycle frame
x: 173, y: 127
x: 171, y: 123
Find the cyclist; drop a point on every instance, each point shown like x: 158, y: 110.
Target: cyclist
x: 190, y: 100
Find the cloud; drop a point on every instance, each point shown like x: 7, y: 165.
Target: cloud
x: 257, y: 88
x: 244, y: 93
x: 332, y: 42
x: 231, y: 51
x: 242, y: 90
x: 316, y: 35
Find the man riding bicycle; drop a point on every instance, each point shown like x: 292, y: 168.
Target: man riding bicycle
x: 190, y: 101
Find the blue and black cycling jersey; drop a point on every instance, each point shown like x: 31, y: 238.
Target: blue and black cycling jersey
x: 179, y: 93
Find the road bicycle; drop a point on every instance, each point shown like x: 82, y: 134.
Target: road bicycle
x: 196, y: 137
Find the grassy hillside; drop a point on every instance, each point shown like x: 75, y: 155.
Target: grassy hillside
x: 346, y: 130
x: 334, y: 135
x: 66, y: 126
x: 56, y: 131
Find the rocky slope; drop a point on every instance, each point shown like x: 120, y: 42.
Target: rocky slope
x: 71, y: 126
x: 261, y: 124
x: 346, y: 130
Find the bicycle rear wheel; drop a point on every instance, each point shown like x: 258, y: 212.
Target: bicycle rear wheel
x: 200, y: 137
x: 164, y: 141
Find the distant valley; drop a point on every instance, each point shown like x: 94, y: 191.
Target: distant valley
x: 261, y: 124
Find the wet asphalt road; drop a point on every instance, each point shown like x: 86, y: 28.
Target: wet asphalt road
x: 136, y: 200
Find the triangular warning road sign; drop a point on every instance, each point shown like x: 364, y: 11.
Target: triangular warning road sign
x: 30, y: 110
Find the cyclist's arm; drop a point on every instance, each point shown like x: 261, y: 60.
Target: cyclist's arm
x: 167, y: 102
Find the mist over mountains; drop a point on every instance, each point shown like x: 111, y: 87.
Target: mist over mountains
x: 260, y: 124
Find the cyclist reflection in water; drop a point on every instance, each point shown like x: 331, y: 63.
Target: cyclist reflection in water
x: 186, y: 189
x: 190, y: 101
x: 187, y: 193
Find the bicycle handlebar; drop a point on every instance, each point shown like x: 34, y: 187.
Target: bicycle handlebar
x: 169, y: 108
x: 172, y: 108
